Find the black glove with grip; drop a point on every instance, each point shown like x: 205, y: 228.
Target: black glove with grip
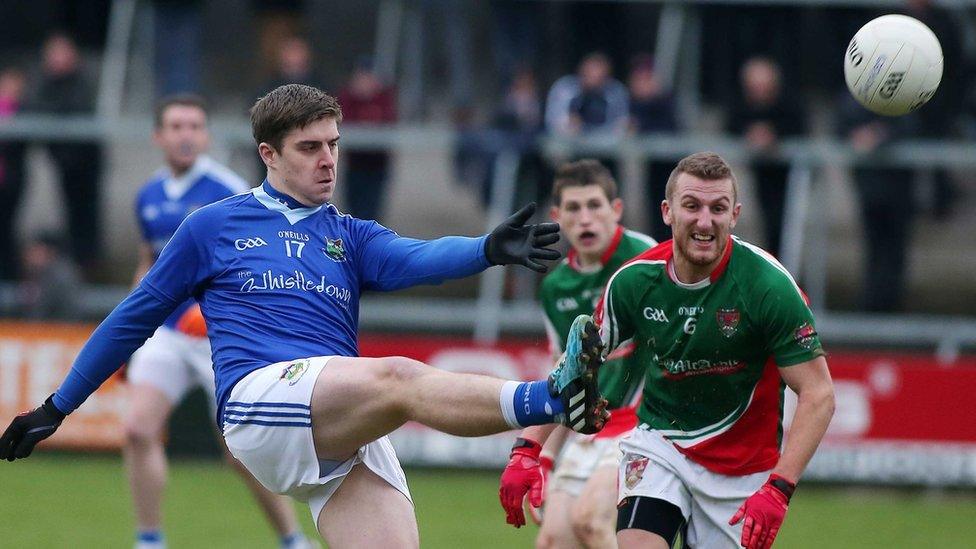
x: 515, y: 243
x: 29, y: 428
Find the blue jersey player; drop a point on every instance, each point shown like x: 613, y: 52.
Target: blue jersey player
x: 278, y: 273
x: 177, y: 357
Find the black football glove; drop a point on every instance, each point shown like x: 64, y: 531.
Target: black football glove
x: 515, y: 243
x: 29, y: 428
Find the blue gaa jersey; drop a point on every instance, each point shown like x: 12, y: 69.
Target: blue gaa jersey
x: 276, y: 281
x: 164, y: 201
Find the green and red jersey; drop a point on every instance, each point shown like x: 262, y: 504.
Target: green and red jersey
x: 570, y: 291
x: 711, y: 351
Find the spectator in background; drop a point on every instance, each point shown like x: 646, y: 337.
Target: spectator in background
x: 763, y: 115
x: 366, y: 99
x: 887, y: 203
x: 12, y: 176
x: 51, y: 285
x: 64, y: 89
x: 588, y: 102
x: 652, y: 110
x: 293, y: 65
x: 518, y: 123
x: 177, y: 36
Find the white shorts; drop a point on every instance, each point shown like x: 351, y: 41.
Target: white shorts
x: 267, y: 425
x: 174, y: 363
x: 654, y: 468
x: 580, y: 458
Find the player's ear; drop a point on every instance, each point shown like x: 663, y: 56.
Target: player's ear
x: 554, y: 213
x: 666, y: 213
x: 267, y: 153
x: 735, y: 215
x: 617, y: 205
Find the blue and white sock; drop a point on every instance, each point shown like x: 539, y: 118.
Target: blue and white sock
x: 295, y: 540
x: 528, y: 403
x: 150, y: 539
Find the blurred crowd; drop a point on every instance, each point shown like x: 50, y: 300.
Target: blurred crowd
x: 762, y: 69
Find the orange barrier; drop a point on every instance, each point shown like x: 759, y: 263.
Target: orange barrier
x: 34, y: 358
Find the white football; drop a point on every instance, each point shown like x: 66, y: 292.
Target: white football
x: 893, y: 65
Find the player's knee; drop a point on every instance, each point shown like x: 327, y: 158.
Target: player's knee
x: 397, y: 371
x: 546, y: 540
x: 588, y: 525
x: 141, y: 434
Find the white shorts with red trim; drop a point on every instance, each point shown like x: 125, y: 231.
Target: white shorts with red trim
x: 652, y: 467
x: 580, y: 458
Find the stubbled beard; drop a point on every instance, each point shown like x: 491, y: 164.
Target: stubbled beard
x: 696, y: 259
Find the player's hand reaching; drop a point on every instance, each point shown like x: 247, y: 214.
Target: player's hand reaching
x: 523, y: 475
x: 515, y: 243
x: 764, y: 512
x: 29, y: 428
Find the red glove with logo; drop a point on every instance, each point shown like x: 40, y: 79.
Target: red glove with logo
x: 764, y: 512
x: 523, y: 475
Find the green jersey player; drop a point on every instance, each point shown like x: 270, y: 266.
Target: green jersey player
x: 721, y: 327
x: 581, y: 497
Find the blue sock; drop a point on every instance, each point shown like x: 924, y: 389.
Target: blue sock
x: 291, y: 540
x: 529, y: 403
x: 149, y: 536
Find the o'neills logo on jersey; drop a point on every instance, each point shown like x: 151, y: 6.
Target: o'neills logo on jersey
x: 728, y: 321
x: 297, y: 280
x: 676, y: 369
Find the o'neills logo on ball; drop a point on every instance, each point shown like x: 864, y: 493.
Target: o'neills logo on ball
x: 635, y: 470
x: 728, y: 321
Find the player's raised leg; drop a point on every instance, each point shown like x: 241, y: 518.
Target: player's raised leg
x: 145, y: 459
x: 358, y: 400
x: 352, y: 520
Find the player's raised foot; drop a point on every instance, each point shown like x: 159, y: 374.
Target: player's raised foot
x: 574, y: 381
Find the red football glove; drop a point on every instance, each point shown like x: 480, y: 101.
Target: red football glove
x: 522, y: 475
x: 545, y: 463
x: 764, y: 512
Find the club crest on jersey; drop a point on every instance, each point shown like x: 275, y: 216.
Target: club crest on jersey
x: 728, y: 321
x: 805, y: 336
x: 635, y: 470
x: 294, y: 371
x: 334, y: 249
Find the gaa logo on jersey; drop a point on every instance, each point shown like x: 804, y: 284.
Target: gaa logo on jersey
x: 728, y: 321
x: 334, y: 249
x: 636, y: 464
x: 294, y: 371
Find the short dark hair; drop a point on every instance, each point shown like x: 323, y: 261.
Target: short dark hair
x: 288, y: 107
x: 703, y: 165
x: 181, y: 99
x: 580, y: 174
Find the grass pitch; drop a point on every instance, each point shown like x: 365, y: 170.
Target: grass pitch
x: 79, y: 501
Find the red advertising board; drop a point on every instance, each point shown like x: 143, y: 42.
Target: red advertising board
x: 900, y: 418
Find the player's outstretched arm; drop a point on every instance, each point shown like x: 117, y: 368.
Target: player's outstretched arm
x: 763, y: 513
x: 515, y: 243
